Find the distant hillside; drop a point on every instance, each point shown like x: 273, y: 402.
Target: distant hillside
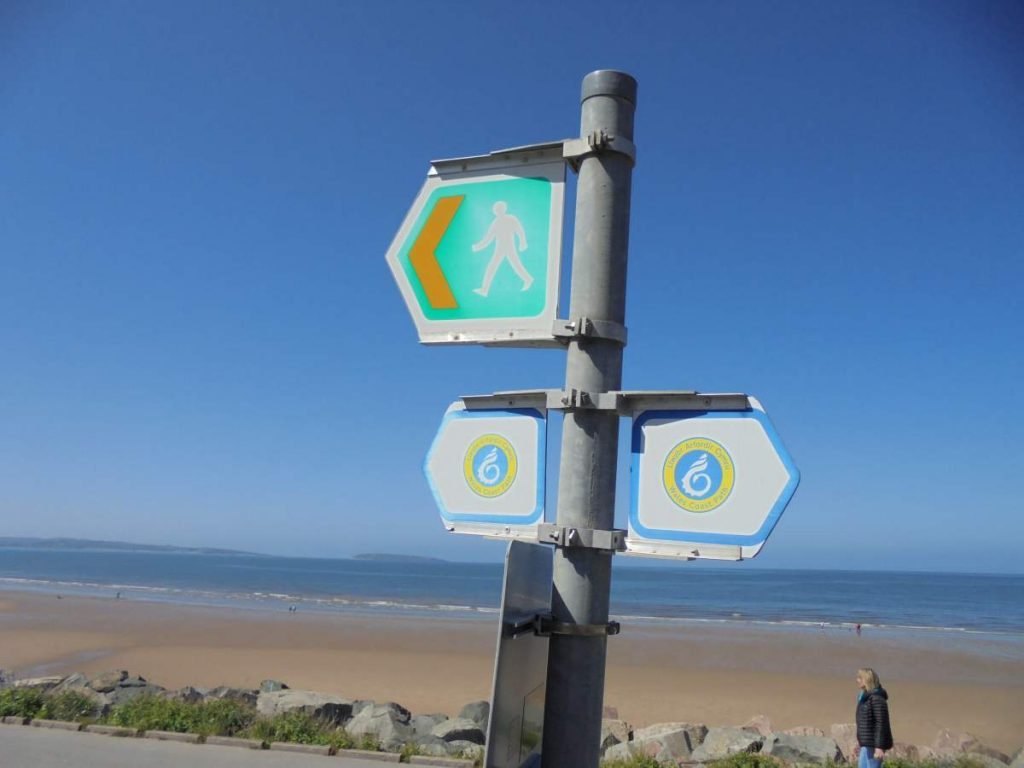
x: 383, y: 557
x: 16, y: 542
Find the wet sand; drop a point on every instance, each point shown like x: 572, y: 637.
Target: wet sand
x: 719, y: 674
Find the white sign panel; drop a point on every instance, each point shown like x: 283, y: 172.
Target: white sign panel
x: 478, y: 256
x: 707, y: 484
x: 486, y: 471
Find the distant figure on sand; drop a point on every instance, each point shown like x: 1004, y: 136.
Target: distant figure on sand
x: 504, y: 231
x: 858, y: 629
x: 874, y: 735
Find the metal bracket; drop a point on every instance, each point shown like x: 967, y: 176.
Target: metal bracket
x: 588, y: 328
x: 576, y: 150
x: 587, y: 538
x: 544, y: 625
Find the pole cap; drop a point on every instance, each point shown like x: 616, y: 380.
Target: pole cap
x: 609, y: 82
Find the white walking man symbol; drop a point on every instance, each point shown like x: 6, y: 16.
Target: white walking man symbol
x: 504, y: 231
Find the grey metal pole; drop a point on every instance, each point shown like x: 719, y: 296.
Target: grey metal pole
x: 586, y: 480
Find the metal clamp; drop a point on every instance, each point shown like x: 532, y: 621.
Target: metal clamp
x: 587, y: 538
x: 544, y: 625
x: 588, y: 328
x: 598, y: 142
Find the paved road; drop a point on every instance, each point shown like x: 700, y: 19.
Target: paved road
x: 27, y: 747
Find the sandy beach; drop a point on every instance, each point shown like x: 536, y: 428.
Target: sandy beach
x: 719, y: 674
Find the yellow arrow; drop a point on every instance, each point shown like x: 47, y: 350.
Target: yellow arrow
x: 424, y: 260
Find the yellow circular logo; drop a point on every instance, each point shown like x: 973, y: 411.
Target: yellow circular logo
x: 698, y: 474
x: 490, y: 466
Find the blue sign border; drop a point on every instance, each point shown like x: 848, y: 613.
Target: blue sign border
x: 762, y: 533
x: 483, y: 517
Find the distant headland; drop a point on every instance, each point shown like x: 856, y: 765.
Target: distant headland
x: 95, y: 545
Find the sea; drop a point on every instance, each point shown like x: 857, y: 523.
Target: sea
x: 921, y: 603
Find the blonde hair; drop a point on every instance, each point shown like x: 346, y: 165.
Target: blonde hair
x: 869, y: 677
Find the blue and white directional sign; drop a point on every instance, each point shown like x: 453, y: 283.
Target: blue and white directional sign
x: 486, y: 471
x: 707, y: 484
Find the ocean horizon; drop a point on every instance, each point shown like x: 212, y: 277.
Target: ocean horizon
x: 917, y: 602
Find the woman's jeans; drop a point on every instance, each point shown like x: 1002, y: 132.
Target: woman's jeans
x: 866, y: 760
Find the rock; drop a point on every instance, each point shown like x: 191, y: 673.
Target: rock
x: 845, y: 735
x: 422, y: 725
x: 987, y: 751
x: 985, y: 760
x: 953, y: 744
x: 804, y: 730
x: 669, y: 742
x: 624, y: 751
x: 801, y: 749
x: 759, y: 723
x: 477, y: 711
x: 1018, y: 759
x: 360, y: 704
x: 126, y: 693
x: 245, y: 696
x: 44, y: 683
x: 614, y: 732
x: 107, y: 681
x: 722, y: 742
x: 387, y: 723
x: 73, y: 682
x: 903, y: 752
x: 466, y: 749
x: 459, y: 729
x: 431, y: 746
x: 269, y: 686
x: 324, y: 706
x: 188, y: 694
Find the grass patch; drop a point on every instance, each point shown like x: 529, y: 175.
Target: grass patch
x: 299, y: 728
x: 746, y: 760
x: 21, y: 702
x: 219, y: 717
x: 69, y: 706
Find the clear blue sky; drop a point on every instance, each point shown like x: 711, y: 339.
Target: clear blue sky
x: 201, y: 344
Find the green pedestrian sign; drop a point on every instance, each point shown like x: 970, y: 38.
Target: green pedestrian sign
x: 478, y: 256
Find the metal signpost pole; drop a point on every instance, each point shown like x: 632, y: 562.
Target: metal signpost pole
x: 586, y: 487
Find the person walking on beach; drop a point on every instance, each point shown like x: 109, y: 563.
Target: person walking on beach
x: 874, y: 736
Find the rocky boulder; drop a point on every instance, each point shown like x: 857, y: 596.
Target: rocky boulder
x: 245, y: 696
x: 953, y: 744
x: 43, y: 683
x: 431, y: 746
x: 759, y: 723
x: 625, y: 751
x: 723, y: 742
x: 477, y: 711
x: 188, y: 694
x: 903, y: 751
x: 459, y: 729
x: 73, y: 682
x: 845, y: 735
x: 804, y: 730
x: 614, y: 732
x: 106, y: 682
x: 324, y: 706
x: 422, y: 725
x: 387, y: 723
x: 801, y: 749
x: 666, y: 742
x: 269, y: 686
x: 1018, y: 759
x: 465, y: 749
